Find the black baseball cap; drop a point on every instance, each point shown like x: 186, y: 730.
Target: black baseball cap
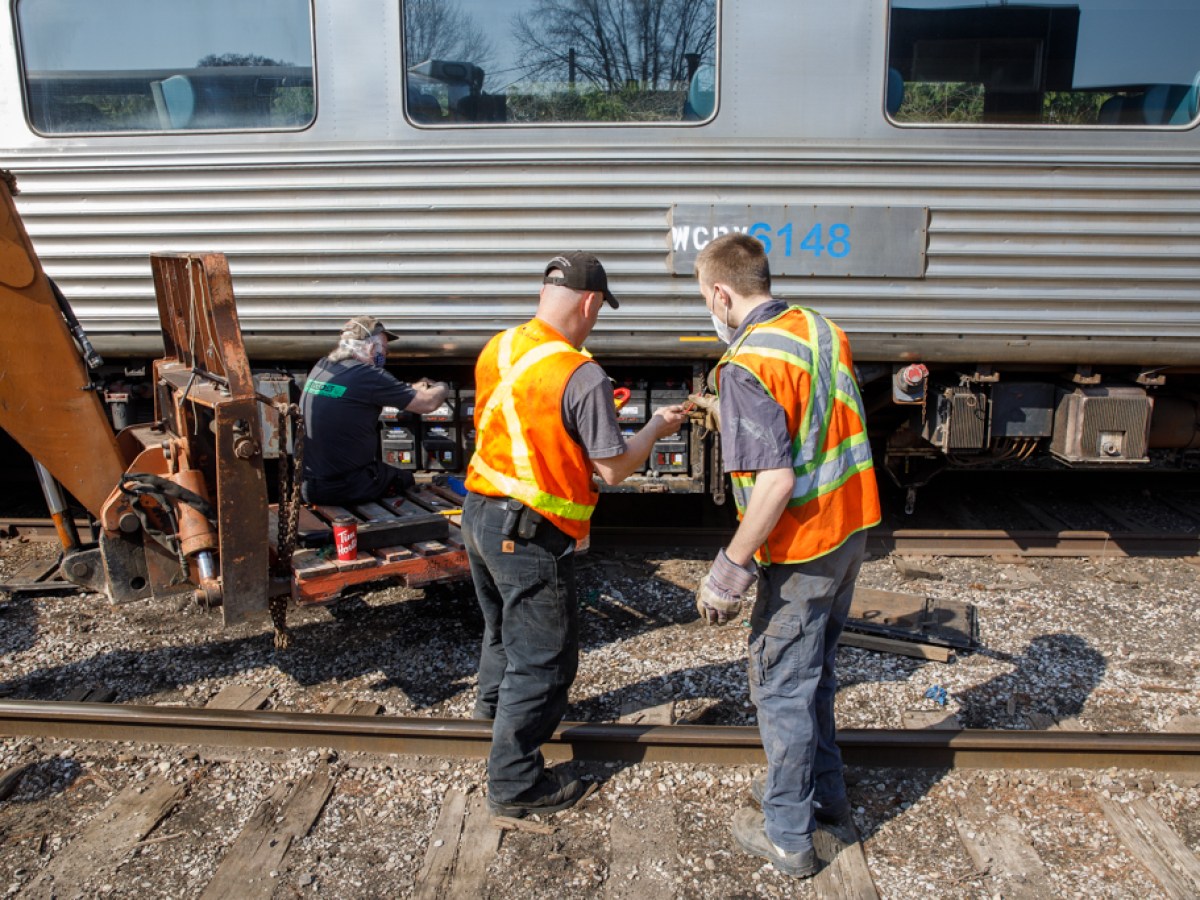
x: 581, y: 272
x: 367, y: 326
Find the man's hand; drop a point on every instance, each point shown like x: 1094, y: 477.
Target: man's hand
x: 429, y: 396
x: 671, y: 419
x: 719, y: 597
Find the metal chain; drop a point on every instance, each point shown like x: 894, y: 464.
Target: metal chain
x: 290, y: 467
x: 287, y: 511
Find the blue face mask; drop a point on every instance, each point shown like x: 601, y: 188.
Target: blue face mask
x: 379, y: 359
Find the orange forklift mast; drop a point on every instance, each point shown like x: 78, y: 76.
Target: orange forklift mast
x: 181, y: 501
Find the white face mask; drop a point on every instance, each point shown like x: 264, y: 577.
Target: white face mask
x: 724, y: 332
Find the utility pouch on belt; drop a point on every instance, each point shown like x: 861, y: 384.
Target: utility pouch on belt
x: 512, y: 517
x: 529, y: 523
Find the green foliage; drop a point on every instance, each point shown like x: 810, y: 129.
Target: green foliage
x: 1072, y: 107
x: 292, y: 106
x: 239, y: 59
x: 629, y: 104
x: 941, y: 102
x: 962, y: 103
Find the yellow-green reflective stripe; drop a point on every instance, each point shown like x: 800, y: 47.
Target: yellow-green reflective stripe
x: 853, y: 455
x: 833, y: 486
x: 532, y: 496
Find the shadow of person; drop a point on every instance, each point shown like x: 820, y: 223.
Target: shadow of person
x: 1049, y: 682
x: 1053, y: 677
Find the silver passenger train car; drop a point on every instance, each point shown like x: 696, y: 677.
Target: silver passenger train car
x: 999, y: 201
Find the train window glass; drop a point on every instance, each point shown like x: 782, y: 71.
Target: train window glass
x: 95, y: 66
x: 1120, y: 63
x: 537, y: 62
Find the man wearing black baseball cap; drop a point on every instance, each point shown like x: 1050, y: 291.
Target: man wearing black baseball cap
x: 581, y: 272
x: 342, y: 399
x: 545, y: 426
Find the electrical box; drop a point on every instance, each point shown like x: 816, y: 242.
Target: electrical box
x: 670, y: 454
x: 399, y: 447
x: 634, y: 411
x: 439, y: 444
x: 957, y: 419
x: 466, y: 406
x: 1102, y: 424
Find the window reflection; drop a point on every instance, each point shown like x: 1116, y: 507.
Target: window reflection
x: 1092, y: 62
x: 145, y: 65
x: 546, y: 61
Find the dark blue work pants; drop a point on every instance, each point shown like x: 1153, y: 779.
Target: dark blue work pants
x: 526, y: 590
x: 794, y: 629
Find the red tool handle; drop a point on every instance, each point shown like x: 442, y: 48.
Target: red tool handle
x: 621, y: 396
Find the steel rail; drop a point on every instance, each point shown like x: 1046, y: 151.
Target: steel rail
x: 941, y: 541
x: 881, y: 540
x: 992, y: 542
x: 724, y: 745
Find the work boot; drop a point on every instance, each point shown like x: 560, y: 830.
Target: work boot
x: 836, y: 812
x: 749, y: 830
x: 554, y: 791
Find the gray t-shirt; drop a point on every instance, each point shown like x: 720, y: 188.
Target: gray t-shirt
x: 754, y: 432
x: 589, y: 414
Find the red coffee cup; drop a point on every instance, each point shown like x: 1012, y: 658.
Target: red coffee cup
x: 345, y: 538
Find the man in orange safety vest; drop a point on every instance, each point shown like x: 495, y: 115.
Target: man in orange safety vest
x: 794, y: 440
x: 545, y: 425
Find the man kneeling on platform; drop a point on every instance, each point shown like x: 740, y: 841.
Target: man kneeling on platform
x: 545, y: 423
x: 341, y: 403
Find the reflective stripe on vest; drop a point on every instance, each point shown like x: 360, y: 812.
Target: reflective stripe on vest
x: 523, y: 486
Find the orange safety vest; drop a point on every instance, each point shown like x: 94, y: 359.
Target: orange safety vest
x: 522, y: 448
x: 803, y: 361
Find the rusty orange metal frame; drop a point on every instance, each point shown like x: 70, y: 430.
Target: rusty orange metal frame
x: 47, y: 402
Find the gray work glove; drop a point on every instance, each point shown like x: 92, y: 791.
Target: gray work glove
x: 719, y: 597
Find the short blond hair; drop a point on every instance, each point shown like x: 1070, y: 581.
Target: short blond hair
x: 738, y: 260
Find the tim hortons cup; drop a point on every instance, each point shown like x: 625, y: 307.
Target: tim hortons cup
x: 345, y: 538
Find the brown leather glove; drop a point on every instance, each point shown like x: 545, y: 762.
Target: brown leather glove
x: 705, y: 411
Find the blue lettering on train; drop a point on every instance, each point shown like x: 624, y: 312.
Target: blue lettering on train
x: 832, y: 239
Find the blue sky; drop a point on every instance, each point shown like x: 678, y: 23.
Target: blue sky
x: 132, y: 34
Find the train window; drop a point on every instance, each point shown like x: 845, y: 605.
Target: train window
x: 96, y: 66
x: 1114, y: 63
x: 538, y: 62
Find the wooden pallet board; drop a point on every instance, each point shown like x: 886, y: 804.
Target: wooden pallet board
x: 108, y: 837
x: 284, y: 816
x: 402, y: 538
x: 1156, y: 845
x: 240, y: 696
x: 347, y: 706
x: 379, y: 527
x: 1000, y: 851
x: 844, y: 874
x: 462, y: 845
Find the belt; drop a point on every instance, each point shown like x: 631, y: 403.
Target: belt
x: 493, y: 501
x: 501, y: 502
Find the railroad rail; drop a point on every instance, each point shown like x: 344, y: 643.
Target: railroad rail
x: 978, y: 542
x: 724, y: 745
